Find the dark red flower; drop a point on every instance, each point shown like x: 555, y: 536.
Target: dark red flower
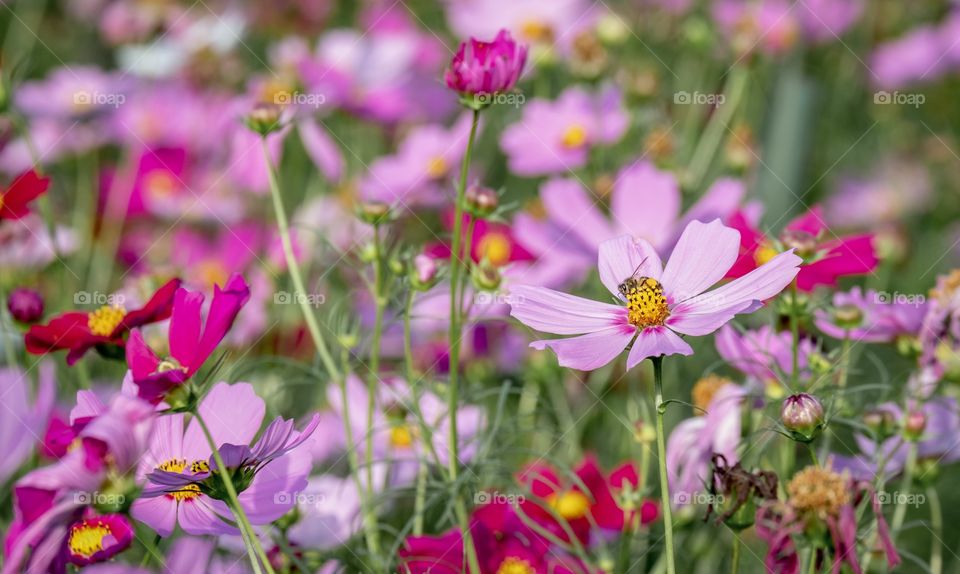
x: 79, y: 331
x: 830, y: 258
x: 15, y: 200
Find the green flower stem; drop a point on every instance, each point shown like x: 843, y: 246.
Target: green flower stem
x: 294, y: 268
x: 419, y: 502
x: 900, y: 513
x: 455, y: 336
x: 467, y: 258
x: 373, y: 378
x: 735, y: 558
x: 713, y: 134
x: 662, y: 455
x: 936, y: 524
x: 369, y: 521
x: 254, y: 549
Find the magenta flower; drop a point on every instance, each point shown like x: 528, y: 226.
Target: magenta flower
x: 556, y: 137
x: 764, y: 353
x: 486, y: 67
x: 660, y: 303
x: 192, y: 341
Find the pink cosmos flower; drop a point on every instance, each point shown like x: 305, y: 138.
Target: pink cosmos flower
x: 191, y: 341
x: 645, y: 203
x: 831, y: 258
x: 922, y: 55
x: 764, y: 353
x: 873, y: 317
x: 176, y: 446
x: 329, y: 513
x: 555, y: 137
x: 660, y: 303
x: 23, y: 420
x: 421, y: 168
x: 481, y: 67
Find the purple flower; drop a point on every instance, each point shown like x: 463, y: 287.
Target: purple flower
x: 660, y: 303
x: 763, y: 353
x: 555, y: 137
x: 485, y: 68
x: 870, y: 316
x: 329, y: 508
x: 25, y: 305
x: 23, y: 421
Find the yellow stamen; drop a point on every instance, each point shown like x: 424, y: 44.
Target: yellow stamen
x: 536, y: 31
x: 159, y: 183
x: 495, y: 248
x: 189, y: 491
x: 705, y: 389
x: 437, y: 167
x: 765, y: 252
x: 819, y: 490
x: 86, y: 537
x: 212, y: 273
x: 646, y: 303
x: 104, y: 320
x: 515, y: 566
x: 402, y: 436
x: 574, y: 136
x: 570, y: 505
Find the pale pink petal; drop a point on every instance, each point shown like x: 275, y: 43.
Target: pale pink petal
x: 589, y: 352
x: 233, y: 413
x: 705, y: 313
x: 561, y: 314
x: 196, y: 516
x: 656, y: 341
x: 646, y: 202
x: 624, y: 257
x: 720, y: 201
x: 703, y: 255
x: 159, y: 513
x: 572, y: 207
x: 321, y: 148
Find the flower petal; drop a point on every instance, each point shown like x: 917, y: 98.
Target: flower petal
x: 561, y: 314
x: 646, y: 202
x: 656, y: 341
x: 624, y: 257
x: 591, y: 351
x: 703, y: 255
x: 570, y: 205
x: 708, y: 312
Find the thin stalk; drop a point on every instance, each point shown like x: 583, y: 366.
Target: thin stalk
x: 936, y: 524
x: 795, y: 339
x: 294, y: 268
x: 713, y: 134
x: 254, y: 549
x: 419, y: 503
x: 455, y: 336
x: 662, y: 455
x: 373, y: 377
x: 735, y: 558
x: 900, y: 513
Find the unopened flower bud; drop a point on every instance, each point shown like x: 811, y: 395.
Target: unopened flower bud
x: 25, y: 305
x: 423, y: 274
x: 914, y: 424
x: 803, y: 243
x: 848, y: 316
x: 264, y: 118
x: 881, y: 422
x: 644, y: 433
x: 802, y: 415
x: 481, y: 201
x: 373, y: 212
x: 486, y: 277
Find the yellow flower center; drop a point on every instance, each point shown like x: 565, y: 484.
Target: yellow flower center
x: 574, y: 136
x: 570, y: 505
x: 402, y: 436
x: 946, y: 286
x: 515, y: 566
x: 765, y: 252
x: 437, y: 167
x: 213, y: 273
x: 536, y: 31
x: 189, y: 491
x: 819, y: 490
x: 646, y: 303
x: 104, y: 320
x: 159, y: 183
x: 495, y: 248
x: 705, y: 389
x: 86, y: 537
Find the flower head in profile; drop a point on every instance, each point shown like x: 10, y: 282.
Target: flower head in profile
x: 656, y: 304
x: 871, y: 317
x: 192, y: 340
x: 104, y: 328
x: 486, y: 68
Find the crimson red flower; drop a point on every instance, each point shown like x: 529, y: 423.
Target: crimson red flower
x: 105, y: 328
x: 14, y: 202
x: 590, y: 499
x: 491, y: 241
x: 829, y: 259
